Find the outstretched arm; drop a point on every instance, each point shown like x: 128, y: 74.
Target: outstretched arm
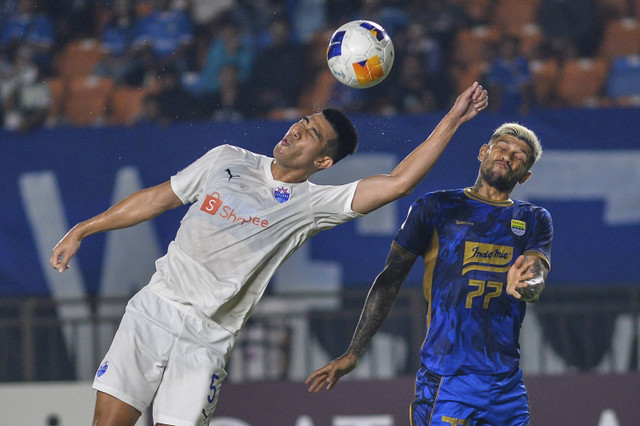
x: 526, y: 278
x: 375, y: 191
x: 376, y: 309
x: 137, y: 207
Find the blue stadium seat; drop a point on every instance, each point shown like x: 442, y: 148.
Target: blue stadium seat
x: 624, y: 77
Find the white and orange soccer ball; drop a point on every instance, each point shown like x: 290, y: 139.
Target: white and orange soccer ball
x: 360, y: 54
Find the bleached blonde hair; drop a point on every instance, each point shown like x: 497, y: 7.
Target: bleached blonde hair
x: 524, y: 134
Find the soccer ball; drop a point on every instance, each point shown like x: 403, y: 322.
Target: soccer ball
x: 360, y: 54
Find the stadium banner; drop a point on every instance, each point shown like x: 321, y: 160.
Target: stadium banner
x: 588, y: 178
x: 581, y: 399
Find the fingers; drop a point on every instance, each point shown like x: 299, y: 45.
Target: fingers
x: 59, y: 261
x: 320, y: 381
x: 323, y: 377
x: 479, y: 97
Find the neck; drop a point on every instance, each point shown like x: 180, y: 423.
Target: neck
x: 288, y: 175
x: 485, y: 190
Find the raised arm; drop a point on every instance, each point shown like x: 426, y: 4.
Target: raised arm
x: 376, y: 308
x: 137, y: 207
x: 375, y: 191
x: 526, y: 277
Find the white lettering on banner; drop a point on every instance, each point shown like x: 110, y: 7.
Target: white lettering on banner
x: 43, y: 207
x: 227, y: 421
x: 127, y: 267
x: 304, y: 421
x: 608, y: 418
x: 375, y: 420
x: 589, y: 175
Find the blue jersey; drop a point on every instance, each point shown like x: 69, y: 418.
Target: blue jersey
x: 468, y: 244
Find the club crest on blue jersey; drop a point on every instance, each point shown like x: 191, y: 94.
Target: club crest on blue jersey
x: 518, y: 227
x: 102, y: 369
x: 281, y: 194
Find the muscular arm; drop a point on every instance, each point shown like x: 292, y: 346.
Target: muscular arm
x: 375, y: 191
x: 526, y: 278
x: 137, y: 207
x: 380, y: 300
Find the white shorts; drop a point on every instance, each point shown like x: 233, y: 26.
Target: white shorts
x: 170, y: 352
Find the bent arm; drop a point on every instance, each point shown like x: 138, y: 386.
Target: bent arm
x: 137, y: 207
x: 380, y: 300
x: 375, y: 191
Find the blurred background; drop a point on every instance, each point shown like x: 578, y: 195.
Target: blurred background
x: 101, y: 98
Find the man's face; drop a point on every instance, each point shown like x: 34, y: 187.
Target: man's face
x: 505, y: 162
x: 305, y: 142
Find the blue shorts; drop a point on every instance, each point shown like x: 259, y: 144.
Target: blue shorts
x: 470, y: 400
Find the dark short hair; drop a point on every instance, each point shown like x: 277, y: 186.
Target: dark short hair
x: 347, y: 141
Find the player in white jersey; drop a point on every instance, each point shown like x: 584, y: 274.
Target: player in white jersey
x: 249, y: 213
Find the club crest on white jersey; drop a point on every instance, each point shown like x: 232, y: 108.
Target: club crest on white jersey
x: 281, y: 194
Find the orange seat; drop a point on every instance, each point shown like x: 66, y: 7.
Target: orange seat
x: 88, y: 100
x: 545, y: 76
x: 621, y: 37
x: 581, y: 81
x: 474, y: 45
x: 530, y: 37
x: 78, y: 58
x: 510, y: 16
x: 126, y: 105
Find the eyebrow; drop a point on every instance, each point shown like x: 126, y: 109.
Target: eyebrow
x: 315, y: 131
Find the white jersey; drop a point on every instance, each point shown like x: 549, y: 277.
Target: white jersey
x: 242, y: 225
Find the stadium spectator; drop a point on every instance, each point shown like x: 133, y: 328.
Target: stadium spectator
x: 509, y: 79
x: 232, y: 101
x: 412, y: 94
x: 164, y: 38
x: 26, y: 97
x: 276, y: 79
x: 29, y: 27
x: 120, y: 62
x: 173, y: 102
x: 229, y: 46
x: 571, y: 26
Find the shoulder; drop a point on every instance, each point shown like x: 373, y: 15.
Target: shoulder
x: 537, y: 211
x: 439, y: 197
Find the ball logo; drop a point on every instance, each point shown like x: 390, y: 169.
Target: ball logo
x: 102, y: 369
x: 281, y: 194
x: 369, y: 70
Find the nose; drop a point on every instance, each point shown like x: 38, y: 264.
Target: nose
x: 295, y: 131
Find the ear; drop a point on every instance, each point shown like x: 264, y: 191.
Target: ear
x: 525, y: 177
x: 323, y: 162
x: 483, y: 151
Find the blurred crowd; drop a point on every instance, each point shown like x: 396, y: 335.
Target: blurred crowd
x: 123, y: 62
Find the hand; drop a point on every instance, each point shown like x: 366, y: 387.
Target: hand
x: 518, y: 275
x: 470, y: 103
x: 64, y: 251
x: 331, y: 373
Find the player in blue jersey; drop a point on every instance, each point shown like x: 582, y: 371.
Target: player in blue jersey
x: 485, y: 255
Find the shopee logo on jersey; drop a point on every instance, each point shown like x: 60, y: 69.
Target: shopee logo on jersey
x: 212, y: 204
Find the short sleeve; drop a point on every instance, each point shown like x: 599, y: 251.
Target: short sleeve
x: 187, y: 184
x: 417, y: 230
x: 331, y: 205
x: 539, y: 242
